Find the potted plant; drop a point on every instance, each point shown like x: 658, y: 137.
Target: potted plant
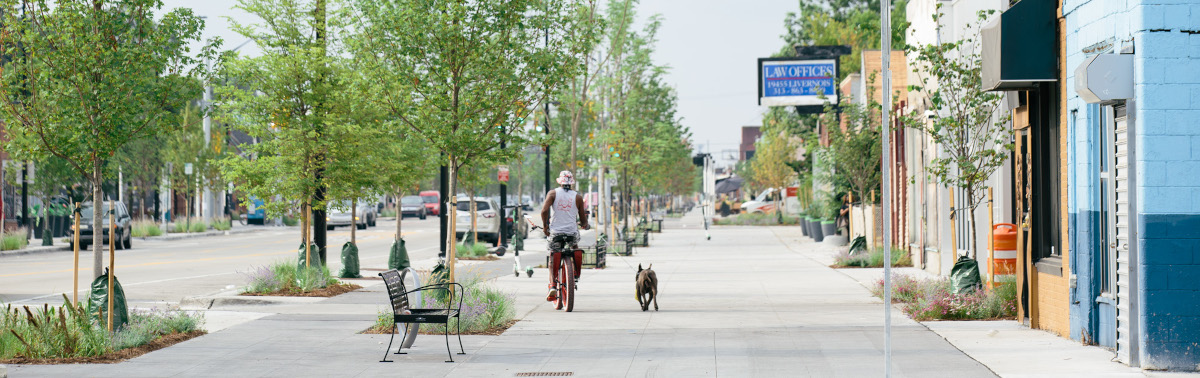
x: 814, y: 223
x: 803, y: 223
x: 829, y: 221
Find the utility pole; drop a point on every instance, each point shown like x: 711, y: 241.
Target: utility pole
x: 318, y: 216
x: 503, y: 240
x: 443, y: 184
x: 25, y: 197
x: 547, y: 128
x: 885, y: 29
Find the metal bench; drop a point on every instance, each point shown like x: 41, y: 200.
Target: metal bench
x: 402, y: 312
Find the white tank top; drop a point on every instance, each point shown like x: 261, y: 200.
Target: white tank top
x: 564, y: 218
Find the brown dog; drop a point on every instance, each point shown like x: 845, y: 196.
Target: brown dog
x: 646, y: 284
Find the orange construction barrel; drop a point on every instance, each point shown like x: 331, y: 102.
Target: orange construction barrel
x: 1004, y: 246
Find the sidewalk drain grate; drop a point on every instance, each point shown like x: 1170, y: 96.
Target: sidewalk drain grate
x: 546, y: 374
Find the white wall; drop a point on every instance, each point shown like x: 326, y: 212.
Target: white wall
x: 959, y: 20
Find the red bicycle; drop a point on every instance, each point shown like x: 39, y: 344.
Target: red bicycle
x: 566, y: 262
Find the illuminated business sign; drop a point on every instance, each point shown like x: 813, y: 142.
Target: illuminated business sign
x: 797, y: 82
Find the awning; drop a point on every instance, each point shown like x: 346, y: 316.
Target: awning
x: 1018, y: 49
x: 729, y: 185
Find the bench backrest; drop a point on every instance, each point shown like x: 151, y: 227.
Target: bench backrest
x: 395, y: 288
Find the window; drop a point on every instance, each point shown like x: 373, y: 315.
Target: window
x: 479, y: 206
x: 411, y: 200
x: 1046, y: 200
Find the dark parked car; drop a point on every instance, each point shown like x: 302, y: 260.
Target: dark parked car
x: 414, y: 206
x: 123, y: 225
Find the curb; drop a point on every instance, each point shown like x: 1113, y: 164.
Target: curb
x: 209, y: 303
x: 35, y: 249
x: 178, y: 236
x: 168, y: 237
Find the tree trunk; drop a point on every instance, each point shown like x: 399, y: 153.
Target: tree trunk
x: 973, y: 232
x: 97, y: 218
x: 452, y: 211
x: 353, y: 219
x: 400, y: 214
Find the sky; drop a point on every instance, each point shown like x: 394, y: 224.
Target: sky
x: 712, y: 48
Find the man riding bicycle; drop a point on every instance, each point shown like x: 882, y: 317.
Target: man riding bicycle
x: 566, y: 206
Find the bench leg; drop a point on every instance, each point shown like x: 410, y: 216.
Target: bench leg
x: 447, y: 334
x: 389, y: 347
x: 460, y: 346
x: 402, y: 338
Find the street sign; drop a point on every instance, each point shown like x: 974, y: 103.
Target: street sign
x: 502, y: 173
x: 187, y: 169
x: 797, y: 82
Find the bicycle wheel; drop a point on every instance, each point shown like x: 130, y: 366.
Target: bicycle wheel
x: 568, y: 266
x: 559, y: 280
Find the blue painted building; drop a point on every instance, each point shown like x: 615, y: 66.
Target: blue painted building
x: 1134, y: 178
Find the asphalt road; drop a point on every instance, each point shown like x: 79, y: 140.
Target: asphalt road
x: 157, y: 272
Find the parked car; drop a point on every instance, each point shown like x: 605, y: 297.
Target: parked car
x: 414, y: 206
x: 765, y: 202
x: 122, y: 223
x: 430, y: 198
x: 487, y: 219
x: 338, y: 215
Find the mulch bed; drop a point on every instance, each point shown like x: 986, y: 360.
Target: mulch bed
x: 494, y: 331
x: 481, y: 258
x: 330, y: 291
x: 114, y: 357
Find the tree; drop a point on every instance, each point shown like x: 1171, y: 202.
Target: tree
x: 974, y: 138
x: 842, y: 22
x: 856, y: 150
x: 87, y: 77
x: 463, y: 75
x: 183, y: 144
x: 294, y: 99
x: 772, y: 153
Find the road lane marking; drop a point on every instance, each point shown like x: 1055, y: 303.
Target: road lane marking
x: 157, y: 263
x: 85, y: 290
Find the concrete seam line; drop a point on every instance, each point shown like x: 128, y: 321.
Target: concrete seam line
x: 989, y: 368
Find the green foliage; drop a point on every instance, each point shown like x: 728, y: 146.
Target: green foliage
x: 462, y: 77
x: 757, y: 219
x: 222, y: 224
x: 298, y: 101
x: 485, y: 309
x: 193, y: 224
x: 472, y: 249
x: 843, y: 22
x: 855, y: 151
x: 66, y: 331
x: 145, y: 228
x: 973, y: 137
x: 646, y: 141
x: 285, y: 276
x: 934, y: 299
x: 873, y: 259
x: 83, y: 79
x: 13, y: 240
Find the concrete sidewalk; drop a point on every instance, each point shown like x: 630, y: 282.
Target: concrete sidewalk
x: 753, y: 301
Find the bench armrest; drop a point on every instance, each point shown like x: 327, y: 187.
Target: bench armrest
x: 443, y: 286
